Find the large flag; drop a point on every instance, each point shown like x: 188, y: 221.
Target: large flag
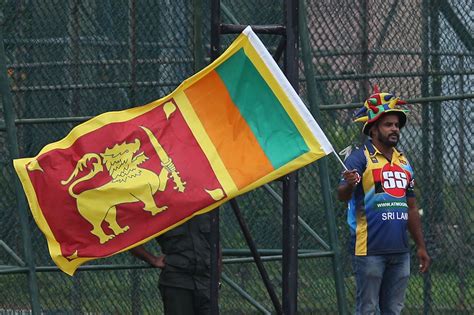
x: 123, y: 178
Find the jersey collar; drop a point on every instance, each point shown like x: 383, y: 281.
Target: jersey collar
x: 373, y: 151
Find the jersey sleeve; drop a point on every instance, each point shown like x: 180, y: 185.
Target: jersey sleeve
x: 411, y: 185
x: 410, y: 188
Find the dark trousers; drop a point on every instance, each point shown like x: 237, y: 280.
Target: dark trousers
x: 178, y: 301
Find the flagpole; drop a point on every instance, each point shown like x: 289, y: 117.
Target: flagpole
x: 340, y: 160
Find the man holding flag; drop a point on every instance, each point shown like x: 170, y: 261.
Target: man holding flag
x: 378, y: 187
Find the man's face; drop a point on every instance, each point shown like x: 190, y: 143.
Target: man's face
x: 387, y: 130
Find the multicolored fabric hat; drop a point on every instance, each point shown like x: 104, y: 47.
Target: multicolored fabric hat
x: 377, y: 105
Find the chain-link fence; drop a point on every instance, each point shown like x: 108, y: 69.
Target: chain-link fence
x: 69, y: 60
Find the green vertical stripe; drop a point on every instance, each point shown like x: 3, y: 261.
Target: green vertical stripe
x: 275, y: 131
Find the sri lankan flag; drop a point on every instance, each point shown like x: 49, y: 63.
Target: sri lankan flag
x: 123, y: 178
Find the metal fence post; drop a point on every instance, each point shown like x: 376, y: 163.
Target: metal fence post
x: 425, y: 128
x: 10, y: 127
x: 256, y: 256
x: 322, y: 164
x: 290, y: 182
x: 463, y: 260
x: 73, y: 29
x: 197, y: 35
x: 436, y: 107
x: 215, y: 219
x: 135, y: 275
x: 132, y: 42
x: 364, y: 47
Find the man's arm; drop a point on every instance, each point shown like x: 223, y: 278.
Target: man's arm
x: 414, y: 226
x: 351, y: 179
x: 143, y: 254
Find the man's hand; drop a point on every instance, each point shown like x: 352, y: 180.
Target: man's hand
x: 158, y: 262
x: 344, y: 191
x: 424, y: 259
x: 414, y: 226
x: 143, y: 254
x: 352, y: 178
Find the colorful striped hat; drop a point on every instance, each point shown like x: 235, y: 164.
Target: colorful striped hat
x: 377, y: 105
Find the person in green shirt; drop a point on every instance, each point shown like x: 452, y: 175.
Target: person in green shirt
x: 185, y: 267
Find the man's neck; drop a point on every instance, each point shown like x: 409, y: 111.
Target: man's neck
x: 386, y: 150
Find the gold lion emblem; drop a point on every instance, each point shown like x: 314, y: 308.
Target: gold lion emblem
x: 130, y: 183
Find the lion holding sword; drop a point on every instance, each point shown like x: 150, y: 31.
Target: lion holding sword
x: 130, y: 183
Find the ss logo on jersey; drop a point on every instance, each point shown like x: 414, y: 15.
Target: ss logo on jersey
x: 394, y: 180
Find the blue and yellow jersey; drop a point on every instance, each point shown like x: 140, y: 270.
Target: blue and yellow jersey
x: 378, y: 211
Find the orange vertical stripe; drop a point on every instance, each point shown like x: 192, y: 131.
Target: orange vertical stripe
x: 234, y: 140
